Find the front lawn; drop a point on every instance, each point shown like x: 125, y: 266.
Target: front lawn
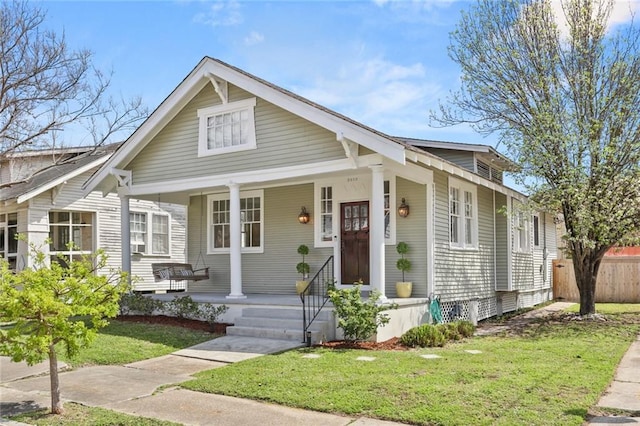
x: 122, y: 342
x: 550, y: 374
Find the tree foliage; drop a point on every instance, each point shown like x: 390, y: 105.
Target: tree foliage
x: 48, y: 304
x: 46, y: 87
x: 564, y: 100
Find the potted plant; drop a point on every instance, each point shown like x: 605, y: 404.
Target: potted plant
x: 403, y: 288
x: 303, y: 269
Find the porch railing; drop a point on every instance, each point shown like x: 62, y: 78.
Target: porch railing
x: 315, y: 296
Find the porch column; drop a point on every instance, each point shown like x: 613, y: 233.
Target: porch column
x: 235, y: 249
x: 376, y: 229
x: 125, y: 227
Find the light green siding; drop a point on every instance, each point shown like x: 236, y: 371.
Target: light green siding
x: 413, y: 231
x: 283, y: 139
x: 271, y: 272
x: 502, y: 243
x: 463, y: 274
x: 461, y: 158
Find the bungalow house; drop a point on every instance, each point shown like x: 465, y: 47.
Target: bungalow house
x: 263, y: 170
x: 42, y: 198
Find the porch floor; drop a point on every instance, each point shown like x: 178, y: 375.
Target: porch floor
x: 221, y: 298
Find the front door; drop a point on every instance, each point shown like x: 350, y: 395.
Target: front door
x: 354, y: 228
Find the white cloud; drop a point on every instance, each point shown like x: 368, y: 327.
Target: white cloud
x: 253, y: 38
x: 221, y: 14
x: 390, y: 97
x: 622, y: 12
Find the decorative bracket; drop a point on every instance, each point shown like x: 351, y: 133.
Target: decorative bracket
x: 220, y: 87
x: 124, y: 178
x: 350, y: 149
x: 55, y: 192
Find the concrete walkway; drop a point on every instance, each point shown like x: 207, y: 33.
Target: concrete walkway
x: 133, y: 388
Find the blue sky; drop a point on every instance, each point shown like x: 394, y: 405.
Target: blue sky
x: 383, y: 63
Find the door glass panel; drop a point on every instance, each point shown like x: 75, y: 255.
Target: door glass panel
x: 356, y: 224
x: 356, y: 211
x: 347, y: 212
x: 347, y: 225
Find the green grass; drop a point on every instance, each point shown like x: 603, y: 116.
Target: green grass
x: 122, y: 342
x: 611, y: 308
x: 550, y: 375
x: 79, y: 415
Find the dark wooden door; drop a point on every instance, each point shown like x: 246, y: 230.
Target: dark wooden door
x: 354, y: 228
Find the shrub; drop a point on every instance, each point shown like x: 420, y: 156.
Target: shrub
x: 183, y: 307
x: 210, y: 312
x: 450, y: 331
x: 359, y: 319
x: 133, y: 302
x: 425, y: 335
x: 466, y: 328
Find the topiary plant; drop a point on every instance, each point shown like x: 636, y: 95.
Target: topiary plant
x: 403, y: 264
x: 303, y: 267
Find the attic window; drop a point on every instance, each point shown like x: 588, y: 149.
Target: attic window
x: 488, y: 172
x: 227, y: 128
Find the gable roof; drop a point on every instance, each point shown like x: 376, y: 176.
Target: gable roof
x: 209, y: 68
x: 55, y: 175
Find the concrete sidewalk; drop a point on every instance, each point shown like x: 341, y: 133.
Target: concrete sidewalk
x: 132, y: 388
x: 624, y: 392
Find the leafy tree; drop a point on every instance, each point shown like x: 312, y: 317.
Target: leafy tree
x: 564, y: 99
x: 48, y: 304
x: 46, y: 87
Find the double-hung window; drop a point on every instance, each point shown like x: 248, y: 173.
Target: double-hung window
x: 251, y: 222
x: 463, y: 214
x: 150, y: 233
x: 71, y: 235
x: 227, y: 128
x: 521, y: 231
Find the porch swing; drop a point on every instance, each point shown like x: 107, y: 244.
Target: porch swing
x: 182, y: 272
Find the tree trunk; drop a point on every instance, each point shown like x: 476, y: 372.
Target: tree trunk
x: 586, y: 272
x: 56, y: 403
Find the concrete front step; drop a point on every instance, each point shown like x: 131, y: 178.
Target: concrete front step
x: 284, y: 313
x: 279, y: 323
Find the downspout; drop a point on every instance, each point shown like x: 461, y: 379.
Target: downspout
x: 495, y: 251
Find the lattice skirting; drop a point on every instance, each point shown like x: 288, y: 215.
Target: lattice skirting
x: 468, y: 310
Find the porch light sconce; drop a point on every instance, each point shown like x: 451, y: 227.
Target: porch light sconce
x: 403, y: 210
x: 303, y: 217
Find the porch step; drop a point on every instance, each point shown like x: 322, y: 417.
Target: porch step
x: 281, y: 324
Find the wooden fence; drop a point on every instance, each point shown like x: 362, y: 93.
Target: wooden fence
x: 618, y: 280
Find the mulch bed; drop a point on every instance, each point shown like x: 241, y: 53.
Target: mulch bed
x: 218, y: 328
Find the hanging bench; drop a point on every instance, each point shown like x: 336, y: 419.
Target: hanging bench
x: 176, y: 272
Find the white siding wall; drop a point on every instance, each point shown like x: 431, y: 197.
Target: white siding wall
x: 107, y: 234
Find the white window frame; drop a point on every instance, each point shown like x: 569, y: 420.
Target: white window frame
x: 148, y: 243
x: 335, y: 213
x: 223, y: 197
x: 535, y: 228
x: 319, y: 242
x: 9, y: 256
x: 71, y: 225
x: 522, y: 238
x: 463, y: 219
x: 204, y: 114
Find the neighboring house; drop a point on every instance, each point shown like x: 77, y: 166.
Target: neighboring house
x: 41, y: 194
x: 245, y: 155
